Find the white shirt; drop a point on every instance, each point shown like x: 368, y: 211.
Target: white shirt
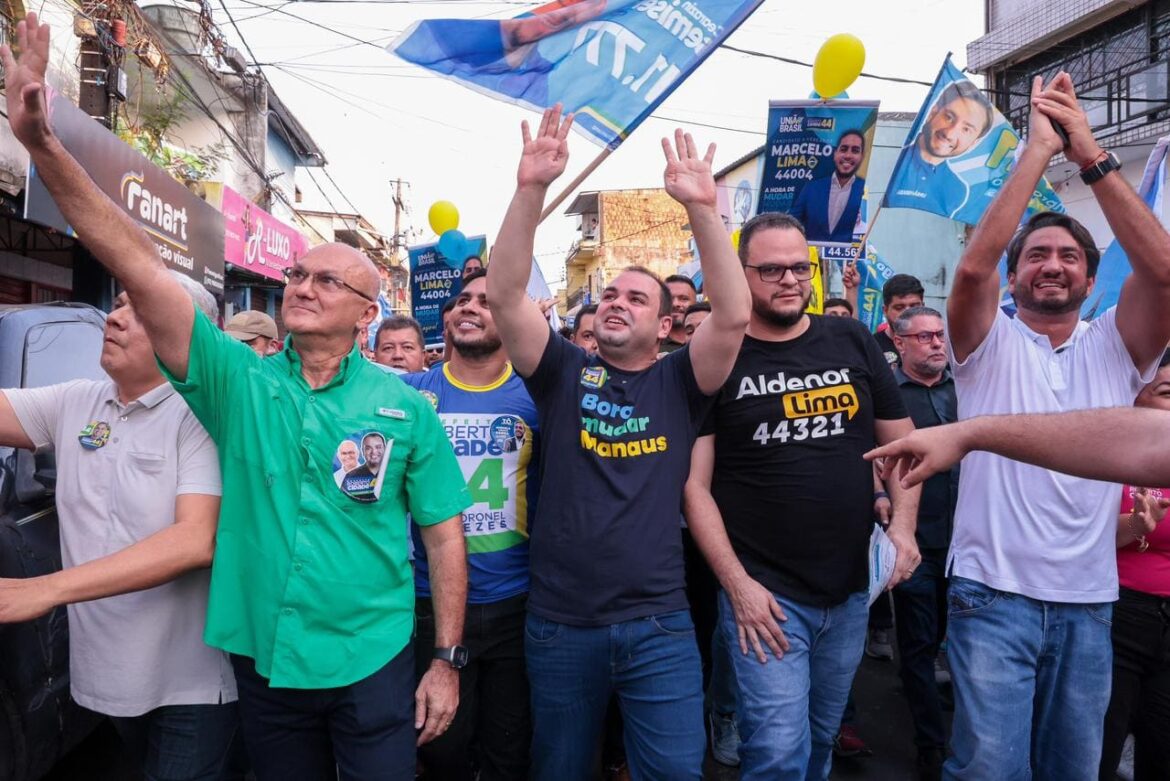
x: 838, y: 198
x: 132, y: 653
x: 1020, y: 528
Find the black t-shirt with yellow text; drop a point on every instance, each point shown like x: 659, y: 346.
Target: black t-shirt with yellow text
x: 791, y: 425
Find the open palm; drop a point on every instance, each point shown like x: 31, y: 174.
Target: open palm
x: 25, y: 81
x: 544, y: 157
x: 688, y: 177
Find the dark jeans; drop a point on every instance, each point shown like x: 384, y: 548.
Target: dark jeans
x: 921, y: 607
x: 356, y: 732
x: 493, y: 724
x: 1141, y: 686
x: 180, y: 742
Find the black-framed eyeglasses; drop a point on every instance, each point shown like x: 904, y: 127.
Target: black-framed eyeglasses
x: 322, y: 280
x: 774, y: 272
x: 926, y: 337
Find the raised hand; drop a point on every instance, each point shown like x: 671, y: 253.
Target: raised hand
x: 1148, y: 512
x: 1058, y: 102
x: 25, y: 82
x: 545, y: 156
x: 688, y: 177
x: 850, y: 276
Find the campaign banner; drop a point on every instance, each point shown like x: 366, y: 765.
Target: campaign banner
x: 736, y: 191
x: 873, y: 274
x: 434, y: 279
x: 609, y: 62
x: 958, y: 155
x: 816, y: 158
x: 187, y: 231
x: 254, y: 240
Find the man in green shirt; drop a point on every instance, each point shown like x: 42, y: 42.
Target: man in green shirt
x: 311, y: 587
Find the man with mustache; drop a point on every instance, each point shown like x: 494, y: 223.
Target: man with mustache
x: 1032, y: 563
x: 929, y: 392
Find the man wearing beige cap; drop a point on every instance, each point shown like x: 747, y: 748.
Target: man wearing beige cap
x: 255, y: 329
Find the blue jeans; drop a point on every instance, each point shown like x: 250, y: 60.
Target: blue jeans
x: 360, y: 732
x: 1031, y: 681
x: 652, y: 664
x: 789, y: 709
x: 180, y: 742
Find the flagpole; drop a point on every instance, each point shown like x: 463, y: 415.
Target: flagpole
x: 573, y: 185
x: 865, y: 236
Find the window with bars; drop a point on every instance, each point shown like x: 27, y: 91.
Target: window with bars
x: 1121, y: 69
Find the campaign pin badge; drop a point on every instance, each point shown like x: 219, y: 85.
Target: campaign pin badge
x: 95, y: 435
x: 389, y: 412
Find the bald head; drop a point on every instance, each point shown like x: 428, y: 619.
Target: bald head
x: 350, y: 264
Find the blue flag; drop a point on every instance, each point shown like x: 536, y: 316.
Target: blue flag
x: 874, y: 273
x: 610, y: 62
x: 958, y: 155
x: 1114, y: 267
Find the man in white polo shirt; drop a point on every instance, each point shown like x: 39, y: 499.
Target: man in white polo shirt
x: 1032, y: 559
x: 138, y: 494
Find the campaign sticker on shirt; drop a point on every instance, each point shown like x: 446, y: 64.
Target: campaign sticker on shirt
x: 360, y: 463
x: 431, y: 397
x: 95, y: 435
x: 508, y: 432
x: 593, y: 376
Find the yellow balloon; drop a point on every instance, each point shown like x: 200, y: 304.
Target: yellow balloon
x: 443, y: 217
x: 838, y: 64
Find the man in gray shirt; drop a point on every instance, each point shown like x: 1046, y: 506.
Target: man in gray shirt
x: 138, y: 494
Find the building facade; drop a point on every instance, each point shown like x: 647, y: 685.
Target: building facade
x: 1118, y: 54
x: 622, y: 228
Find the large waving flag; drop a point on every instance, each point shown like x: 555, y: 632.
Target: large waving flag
x: 1114, y: 267
x: 611, y: 62
x: 958, y: 154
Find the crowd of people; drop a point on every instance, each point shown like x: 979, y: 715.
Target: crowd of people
x: 628, y: 543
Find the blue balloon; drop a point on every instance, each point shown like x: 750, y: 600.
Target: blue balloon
x: 814, y: 95
x: 453, y: 245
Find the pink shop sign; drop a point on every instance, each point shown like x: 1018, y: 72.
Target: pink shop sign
x: 256, y: 241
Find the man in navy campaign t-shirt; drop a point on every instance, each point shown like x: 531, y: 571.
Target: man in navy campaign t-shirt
x: 607, y: 612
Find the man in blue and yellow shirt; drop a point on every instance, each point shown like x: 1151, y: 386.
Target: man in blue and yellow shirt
x: 492, y: 425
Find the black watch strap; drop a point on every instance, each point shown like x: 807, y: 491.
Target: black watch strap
x: 1098, y: 170
x: 455, y: 655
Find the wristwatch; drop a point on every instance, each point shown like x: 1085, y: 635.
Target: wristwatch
x: 455, y: 655
x: 1096, y: 172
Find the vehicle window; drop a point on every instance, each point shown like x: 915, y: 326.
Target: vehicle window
x: 59, y: 352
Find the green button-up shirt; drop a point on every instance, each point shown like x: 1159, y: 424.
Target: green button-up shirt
x: 311, y: 576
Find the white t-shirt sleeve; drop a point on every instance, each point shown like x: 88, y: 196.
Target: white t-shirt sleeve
x: 1115, y: 357
x: 39, y: 410
x: 977, y: 361
x: 198, y: 459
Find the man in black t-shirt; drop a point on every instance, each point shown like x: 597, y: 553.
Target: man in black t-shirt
x: 607, y: 608
x: 780, y: 502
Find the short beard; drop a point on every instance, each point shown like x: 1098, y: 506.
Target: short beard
x: 1025, y: 300
x: 472, y: 351
x: 781, y: 319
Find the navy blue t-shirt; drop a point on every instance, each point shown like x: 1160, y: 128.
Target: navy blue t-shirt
x: 606, y: 545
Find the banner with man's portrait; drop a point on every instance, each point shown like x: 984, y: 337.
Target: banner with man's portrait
x: 816, y: 159
x: 958, y: 155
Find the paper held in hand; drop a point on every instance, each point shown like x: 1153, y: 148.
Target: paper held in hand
x: 882, y: 555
